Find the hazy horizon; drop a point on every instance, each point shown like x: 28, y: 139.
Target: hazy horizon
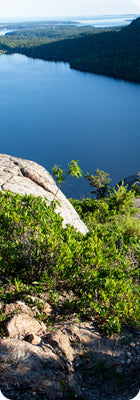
x: 69, y: 18
x: 31, y: 9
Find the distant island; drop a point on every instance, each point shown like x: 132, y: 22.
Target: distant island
x: 112, y: 52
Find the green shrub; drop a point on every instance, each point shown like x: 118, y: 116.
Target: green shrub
x: 121, y: 201
x: 100, y: 181
x: 100, y: 268
x: 136, y: 188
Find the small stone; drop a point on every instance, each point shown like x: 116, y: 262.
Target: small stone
x: 33, y: 339
x: 129, y: 355
x: 128, y: 361
x: 61, y: 341
x: 21, y: 324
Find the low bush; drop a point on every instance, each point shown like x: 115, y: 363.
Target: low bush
x: 100, y: 269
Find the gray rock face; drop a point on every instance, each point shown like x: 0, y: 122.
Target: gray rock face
x: 24, y: 176
x: 26, y: 364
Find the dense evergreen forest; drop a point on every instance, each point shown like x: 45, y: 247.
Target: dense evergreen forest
x: 109, y: 52
x: 32, y: 34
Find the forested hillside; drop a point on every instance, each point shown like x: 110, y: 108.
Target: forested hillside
x: 113, y: 53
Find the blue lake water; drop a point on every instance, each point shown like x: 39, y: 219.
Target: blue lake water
x: 52, y: 114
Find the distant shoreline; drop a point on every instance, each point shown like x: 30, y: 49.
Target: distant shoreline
x: 112, y: 51
x: 99, y: 21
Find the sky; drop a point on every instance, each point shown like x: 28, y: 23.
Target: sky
x: 58, y: 8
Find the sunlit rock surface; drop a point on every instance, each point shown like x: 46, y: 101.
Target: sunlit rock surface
x: 24, y: 176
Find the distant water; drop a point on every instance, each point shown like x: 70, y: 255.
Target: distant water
x: 99, y: 21
x: 52, y: 114
x: 105, y: 21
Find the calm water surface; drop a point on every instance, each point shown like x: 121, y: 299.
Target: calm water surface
x: 101, y: 21
x: 52, y: 114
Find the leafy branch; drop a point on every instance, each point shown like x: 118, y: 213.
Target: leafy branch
x: 60, y: 175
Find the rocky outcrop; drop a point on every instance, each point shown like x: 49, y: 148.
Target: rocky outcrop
x: 70, y: 360
x: 24, y: 176
x: 31, y: 368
